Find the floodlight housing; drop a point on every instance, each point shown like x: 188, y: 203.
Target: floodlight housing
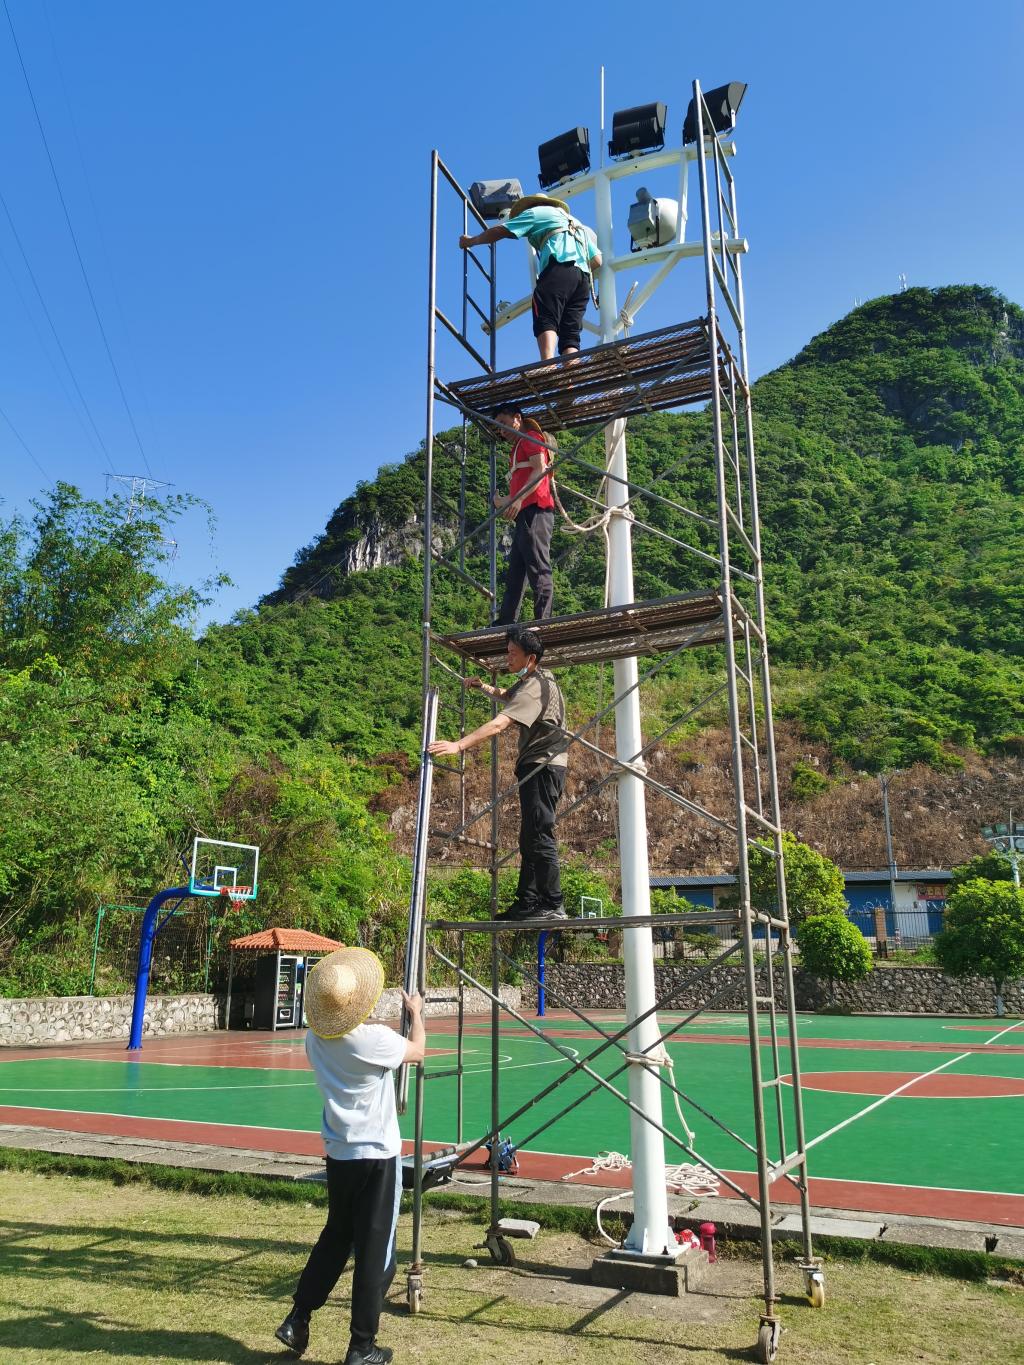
x: 637, y: 130
x: 491, y: 198
x: 563, y: 156
x: 652, y: 222
x: 723, y: 104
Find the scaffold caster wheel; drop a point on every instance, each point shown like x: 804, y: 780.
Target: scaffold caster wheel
x: 768, y: 1340
x: 500, y: 1249
x: 816, y: 1289
x: 414, y: 1293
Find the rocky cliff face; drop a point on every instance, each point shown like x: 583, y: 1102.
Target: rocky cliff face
x: 936, y: 816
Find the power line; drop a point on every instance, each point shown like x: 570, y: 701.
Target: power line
x: 60, y: 345
x: 21, y: 440
x: 132, y: 350
x: 46, y: 353
x: 74, y: 241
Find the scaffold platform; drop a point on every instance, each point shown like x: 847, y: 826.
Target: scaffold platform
x: 647, y: 373
x: 639, y: 628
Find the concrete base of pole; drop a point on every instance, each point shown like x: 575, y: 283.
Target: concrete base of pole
x: 674, y: 1275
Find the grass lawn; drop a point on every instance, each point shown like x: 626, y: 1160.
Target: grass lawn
x: 123, y: 1274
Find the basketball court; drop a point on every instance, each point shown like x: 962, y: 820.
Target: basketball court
x: 905, y: 1116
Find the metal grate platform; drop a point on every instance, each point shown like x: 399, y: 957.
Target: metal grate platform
x: 649, y: 372
x: 692, y: 619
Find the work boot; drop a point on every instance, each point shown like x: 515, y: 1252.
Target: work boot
x: 294, y: 1332
x: 371, y: 1355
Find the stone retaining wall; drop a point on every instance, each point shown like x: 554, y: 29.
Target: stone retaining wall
x: 888, y: 990
x: 77, y: 1018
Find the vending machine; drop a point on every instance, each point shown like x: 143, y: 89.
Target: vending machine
x: 278, y: 995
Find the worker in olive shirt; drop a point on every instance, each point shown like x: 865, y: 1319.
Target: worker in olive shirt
x: 567, y: 256
x: 537, y: 707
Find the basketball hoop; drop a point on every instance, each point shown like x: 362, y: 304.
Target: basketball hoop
x: 234, y: 897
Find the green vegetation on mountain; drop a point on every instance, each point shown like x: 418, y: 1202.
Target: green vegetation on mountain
x: 891, y: 463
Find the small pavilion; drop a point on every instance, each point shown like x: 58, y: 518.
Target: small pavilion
x: 295, y: 947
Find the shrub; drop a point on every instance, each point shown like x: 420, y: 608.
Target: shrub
x: 834, y: 948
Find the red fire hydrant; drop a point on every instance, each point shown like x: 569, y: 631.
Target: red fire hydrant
x: 707, y: 1240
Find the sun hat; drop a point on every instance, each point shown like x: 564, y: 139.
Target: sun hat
x: 341, y: 991
x: 536, y: 201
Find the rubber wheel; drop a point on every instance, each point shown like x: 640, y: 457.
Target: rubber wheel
x: 414, y: 1298
x: 766, y: 1345
x: 816, y: 1293
x: 501, y: 1251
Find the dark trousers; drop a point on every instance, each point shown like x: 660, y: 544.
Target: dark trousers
x: 362, y: 1216
x: 540, y: 879
x: 529, y: 558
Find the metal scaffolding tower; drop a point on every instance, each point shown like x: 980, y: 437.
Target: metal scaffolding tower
x: 717, y: 537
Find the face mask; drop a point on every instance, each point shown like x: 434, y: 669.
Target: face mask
x: 522, y: 672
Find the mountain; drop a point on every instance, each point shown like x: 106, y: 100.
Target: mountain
x: 891, y: 462
x: 891, y: 476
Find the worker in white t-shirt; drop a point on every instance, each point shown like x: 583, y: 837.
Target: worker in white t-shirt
x: 354, y: 1064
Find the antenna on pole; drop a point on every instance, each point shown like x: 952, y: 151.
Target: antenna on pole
x: 903, y: 283
x: 602, y: 117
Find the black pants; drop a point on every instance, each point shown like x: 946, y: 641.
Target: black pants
x: 559, y: 302
x: 540, y: 879
x: 362, y: 1216
x: 529, y: 559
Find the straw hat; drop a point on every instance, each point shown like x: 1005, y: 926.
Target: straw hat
x: 341, y: 991
x: 536, y: 201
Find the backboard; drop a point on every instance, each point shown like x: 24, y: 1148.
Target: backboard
x: 220, y: 868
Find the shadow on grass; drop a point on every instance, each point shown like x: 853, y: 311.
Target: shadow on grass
x: 157, y: 1260
x: 54, y: 1331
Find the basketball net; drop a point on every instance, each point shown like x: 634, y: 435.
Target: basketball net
x: 229, y: 901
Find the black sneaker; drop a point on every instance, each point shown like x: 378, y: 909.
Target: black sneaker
x: 373, y: 1355
x: 517, y: 912
x: 294, y: 1333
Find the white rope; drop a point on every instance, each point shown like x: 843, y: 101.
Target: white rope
x: 686, y: 1177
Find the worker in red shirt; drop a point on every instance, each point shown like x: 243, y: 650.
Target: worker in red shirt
x: 531, y: 505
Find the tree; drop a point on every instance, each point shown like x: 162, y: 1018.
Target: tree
x: 984, y: 933
x: 833, y: 947
x: 814, y: 885
x: 991, y: 866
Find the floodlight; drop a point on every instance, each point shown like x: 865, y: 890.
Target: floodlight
x: 723, y: 104
x: 641, y: 129
x: 652, y: 222
x: 491, y: 198
x: 564, y: 156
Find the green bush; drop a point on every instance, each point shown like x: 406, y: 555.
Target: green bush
x: 983, y: 933
x: 834, y: 948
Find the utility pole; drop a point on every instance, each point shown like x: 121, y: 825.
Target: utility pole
x: 139, y: 487
x: 885, y: 779
x: 650, y: 1233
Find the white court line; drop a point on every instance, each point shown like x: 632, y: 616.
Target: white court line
x: 1009, y: 1029
x: 906, y: 1086
x: 830, y: 1132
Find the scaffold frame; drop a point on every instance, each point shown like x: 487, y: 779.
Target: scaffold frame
x: 700, y: 361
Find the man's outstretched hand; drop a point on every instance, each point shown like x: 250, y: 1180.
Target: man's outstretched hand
x: 443, y: 748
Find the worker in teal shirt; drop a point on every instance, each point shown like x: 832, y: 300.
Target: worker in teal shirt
x: 568, y: 255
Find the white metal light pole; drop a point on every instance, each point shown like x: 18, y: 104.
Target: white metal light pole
x: 1007, y: 839
x: 650, y: 1233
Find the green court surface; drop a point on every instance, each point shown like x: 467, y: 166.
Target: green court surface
x: 960, y: 1129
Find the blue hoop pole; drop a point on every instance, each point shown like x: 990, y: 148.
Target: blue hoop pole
x: 149, y: 926
x: 542, y: 943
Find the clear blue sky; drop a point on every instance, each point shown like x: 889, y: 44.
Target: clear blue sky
x: 248, y: 185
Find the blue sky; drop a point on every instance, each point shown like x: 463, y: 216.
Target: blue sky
x: 248, y: 186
